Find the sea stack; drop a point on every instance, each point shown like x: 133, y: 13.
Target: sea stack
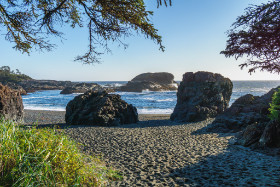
x: 201, y: 95
x: 161, y: 81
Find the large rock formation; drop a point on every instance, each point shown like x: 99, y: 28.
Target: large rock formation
x: 150, y: 81
x: 11, y: 107
x: 82, y: 88
x: 201, y: 95
x: 248, y: 116
x: 245, y: 111
x: 99, y: 108
x: 160, y: 78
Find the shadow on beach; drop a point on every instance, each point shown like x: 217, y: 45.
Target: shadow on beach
x: 234, y: 167
x: 140, y: 124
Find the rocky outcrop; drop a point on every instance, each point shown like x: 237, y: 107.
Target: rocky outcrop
x: 160, y: 78
x: 16, y: 87
x: 36, y: 85
x: 100, y: 108
x: 245, y: 111
x: 201, y: 95
x: 150, y: 86
x: 251, y: 134
x: 150, y: 81
x: 82, y: 88
x: 11, y: 107
x: 248, y: 116
x: 266, y: 134
x: 271, y: 135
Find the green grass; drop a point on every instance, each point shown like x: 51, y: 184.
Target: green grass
x: 47, y: 157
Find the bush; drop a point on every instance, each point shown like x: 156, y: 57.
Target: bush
x: 275, y: 106
x: 46, y: 157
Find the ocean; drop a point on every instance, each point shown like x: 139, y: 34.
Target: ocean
x: 146, y: 102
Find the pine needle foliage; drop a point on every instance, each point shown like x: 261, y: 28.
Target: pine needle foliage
x: 29, y: 23
x: 256, y: 35
x: 46, y: 157
x: 275, y: 106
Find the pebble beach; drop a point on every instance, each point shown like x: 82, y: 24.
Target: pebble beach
x: 159, y: 152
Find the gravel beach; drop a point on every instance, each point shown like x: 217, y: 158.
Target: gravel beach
x: 158, y: 152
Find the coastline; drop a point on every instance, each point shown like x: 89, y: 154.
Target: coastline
x: 45, y: 117
x: 159, y: 152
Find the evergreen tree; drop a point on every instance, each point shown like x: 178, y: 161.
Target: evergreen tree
x: 29, y: 23
x: 256, y: 35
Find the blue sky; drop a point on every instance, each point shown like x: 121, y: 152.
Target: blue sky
x: 193, y: 31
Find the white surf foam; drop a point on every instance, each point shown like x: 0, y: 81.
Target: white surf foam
x: 155, y: 111
x: 31, y: 107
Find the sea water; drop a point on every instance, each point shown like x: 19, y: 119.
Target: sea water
x: 146, y: 102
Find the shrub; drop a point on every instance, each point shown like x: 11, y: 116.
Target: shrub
x: 275, y: 106
x: 46, y: 157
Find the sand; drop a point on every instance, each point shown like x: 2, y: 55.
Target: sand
x: 158, y: 152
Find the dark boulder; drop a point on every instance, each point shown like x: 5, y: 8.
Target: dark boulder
x: 271, y: 135
x: 200, y: 96
x: 245, y: 111
x: 82, y: 88
x: 260, y: 135
x: 100, y: 108
x: 150, y: 81
x: 11, y: 107
x: 251, y: 134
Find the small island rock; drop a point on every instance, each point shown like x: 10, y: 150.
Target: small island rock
x: 100, y: 108
x: 82, y: 88
x: 150, y: 81
x: 160, y: 78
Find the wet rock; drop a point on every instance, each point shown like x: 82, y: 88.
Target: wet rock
x: 100, y: 108
x: 11, y: 107
x: 201, y: 95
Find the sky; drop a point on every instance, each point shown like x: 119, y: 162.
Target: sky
x: 193, y: 32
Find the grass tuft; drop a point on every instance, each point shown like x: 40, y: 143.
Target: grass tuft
x: 46, y: 157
